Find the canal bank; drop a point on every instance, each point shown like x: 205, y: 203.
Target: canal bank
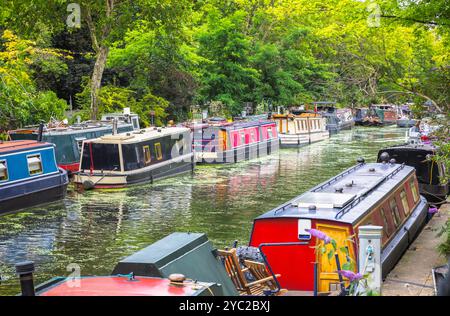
x: 412, y: 275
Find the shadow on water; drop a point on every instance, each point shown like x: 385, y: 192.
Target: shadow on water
x: 98, y: 228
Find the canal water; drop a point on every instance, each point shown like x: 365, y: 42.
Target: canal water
x: 96, y: 229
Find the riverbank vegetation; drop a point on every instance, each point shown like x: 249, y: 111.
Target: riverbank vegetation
x: 167, y: 56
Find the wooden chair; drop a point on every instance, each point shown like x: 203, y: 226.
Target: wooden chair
x: 264, y: 281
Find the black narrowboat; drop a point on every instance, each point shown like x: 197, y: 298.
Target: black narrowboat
x: 119, y: 160
x: 29, y: 175
x: 428, y: 172
x: 383, y: 194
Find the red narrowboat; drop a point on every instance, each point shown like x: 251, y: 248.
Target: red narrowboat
x: 383, y: 194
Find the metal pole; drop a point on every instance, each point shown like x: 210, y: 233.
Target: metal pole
x: 370, y: 255
x: 25, y: 271
x: 315, y: 278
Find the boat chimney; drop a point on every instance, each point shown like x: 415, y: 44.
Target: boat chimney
x: 114, y: 126
x: 40, y: 131
x: 25, y: 271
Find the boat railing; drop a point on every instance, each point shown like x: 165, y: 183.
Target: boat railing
x: 282, y: 209
x: 357, y: 200
x: 266, y: 262
x: 339, y: 176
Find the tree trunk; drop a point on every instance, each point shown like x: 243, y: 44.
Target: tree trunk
x: 96, y: 79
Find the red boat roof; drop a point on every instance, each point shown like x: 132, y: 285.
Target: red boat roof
x: 119, y: 286
x: 17, y: 145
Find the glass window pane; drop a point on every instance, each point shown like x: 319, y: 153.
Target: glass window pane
x: 34, y: 164
x: 3, y: 171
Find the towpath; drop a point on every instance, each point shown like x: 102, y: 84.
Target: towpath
x: 412, y: 275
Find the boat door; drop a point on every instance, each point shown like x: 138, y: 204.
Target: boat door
x: 328, y: 279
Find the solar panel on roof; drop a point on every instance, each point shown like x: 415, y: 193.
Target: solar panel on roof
x: 324, y: 200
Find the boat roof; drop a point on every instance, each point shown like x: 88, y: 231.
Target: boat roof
x: 71, y: 129
x: 119, y: 286
x: 139, y: 136
x: 347, y: 196
x: 21, y: 145
x: 411, y: 147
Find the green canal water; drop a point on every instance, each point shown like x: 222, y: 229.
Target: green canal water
x: 98, y: 228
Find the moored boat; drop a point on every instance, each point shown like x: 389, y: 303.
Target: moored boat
x: 219, y: 141
x: 429, y: 173
x: 29, y: 175
x: 386, y: 112
x: 301, y: 128
x: 384, y: 194
x: 119, y: 160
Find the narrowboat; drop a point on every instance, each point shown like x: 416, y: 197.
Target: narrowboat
x: 69, y: 139
x: 301, y: 128
x: 29, y: 175
x: 345, y: 119
x: 219, y: 141
x: 119, y: 160
x: 386, y: 112
x: 337, y: 119
x: 428, y: 172
x: 383, y: 194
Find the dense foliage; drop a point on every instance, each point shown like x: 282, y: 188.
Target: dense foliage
x: 168, y: 55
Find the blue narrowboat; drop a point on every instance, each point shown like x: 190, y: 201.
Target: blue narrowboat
x: 29, y: 175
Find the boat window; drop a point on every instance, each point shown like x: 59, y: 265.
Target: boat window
x: 158, y: 151
x: 395, y: 213
x: 135, y: 123
x: 385, y: 223
x: 414, y: 190
x: 3, y: 171
x: 34, y: 164
x: 147, y: 155
x: 269, y: 132
x: 100, y: 156
x: 80, y: 142
x: 404, y: 202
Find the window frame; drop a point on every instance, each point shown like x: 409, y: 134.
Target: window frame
x: 385, y: 222
x: 158, y: 151
x: 149, y: 160
x: 414, y: 191
x: 395, y: 212
x: 4, y: 162
x: 404, y: 200
x: 40, y: 163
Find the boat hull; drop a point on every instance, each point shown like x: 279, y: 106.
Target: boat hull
x: 33, y: 192
x: 85, y: 180
x: 235, y: 155
x: 393, y: 251
x: 299, y: 140
x: 406, y: 123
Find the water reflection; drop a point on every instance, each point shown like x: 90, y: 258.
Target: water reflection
x: 98, y: 228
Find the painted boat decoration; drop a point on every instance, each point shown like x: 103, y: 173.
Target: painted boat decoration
x: 119, y: 160
x: 219, y: 141
x: 301, y: 128
x: 29, y: 175
x: 428, y: 172
x: 69, y: 139
x: 383, y: 194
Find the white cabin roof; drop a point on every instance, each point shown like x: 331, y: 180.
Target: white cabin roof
x: 140, y: 135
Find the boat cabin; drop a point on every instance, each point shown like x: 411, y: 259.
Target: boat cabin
x: 301, y: 129
x: 384, y: 194
x: 29, y: 175
x: 133, y: 157
x: 69, y: 139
